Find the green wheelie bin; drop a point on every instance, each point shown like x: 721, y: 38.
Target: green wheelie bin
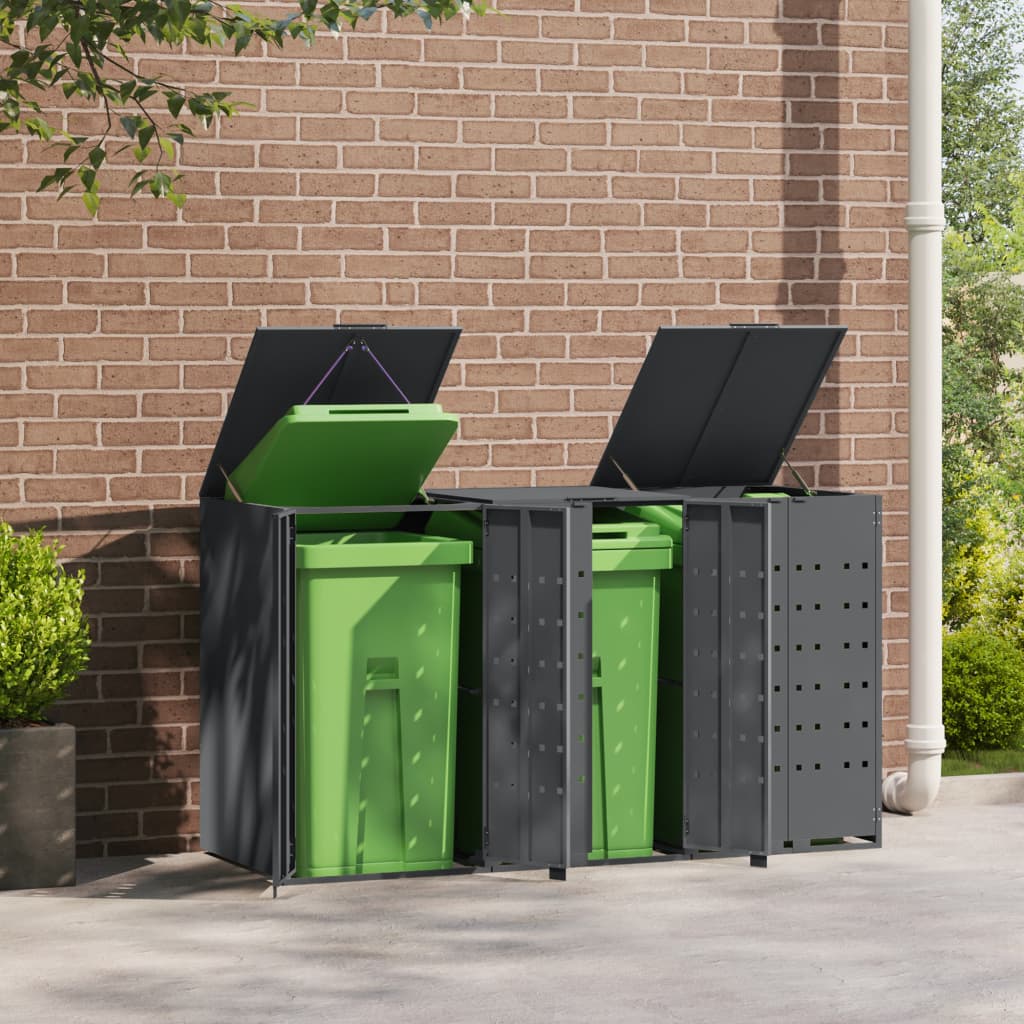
x: 628, y: 561
x: 375, y: 663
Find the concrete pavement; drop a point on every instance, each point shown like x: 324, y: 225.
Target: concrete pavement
x: 928, y: 929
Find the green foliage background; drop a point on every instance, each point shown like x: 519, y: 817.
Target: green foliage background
x: 983, y: 367
x: 983, y: 691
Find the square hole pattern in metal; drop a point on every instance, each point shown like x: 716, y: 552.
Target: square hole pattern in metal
x: 826, y: 713
x: 537, y: 686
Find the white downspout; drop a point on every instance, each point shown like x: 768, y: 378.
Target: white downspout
x: 913, y: 790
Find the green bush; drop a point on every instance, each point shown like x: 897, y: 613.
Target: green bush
x: 1000, y: 605
x: 44, y: 637
x: 982, y: 691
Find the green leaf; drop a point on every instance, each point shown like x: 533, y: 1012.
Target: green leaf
x: 137, y: 183
x: 168, y: 147
x: 40, y: 128
x: 49, y: 179
x: 140, y: 153
x: 175, y: 101
x: 96, y: 157
x: 130, y: 125
x: 160, y: 185
x: 177, y: 13
x: 92, y: 202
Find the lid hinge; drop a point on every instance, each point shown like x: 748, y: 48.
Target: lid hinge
x: 625, y: 476
x: 809, y: 492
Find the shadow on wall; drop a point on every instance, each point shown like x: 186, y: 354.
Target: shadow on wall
x: 136, y: 708
x: 812, y: 287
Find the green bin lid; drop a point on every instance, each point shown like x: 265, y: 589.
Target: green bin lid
x: 378, y: 550
x: 318, y: 455
x: 344, y: 365
x: 630, y: 546
x: 668, y: 518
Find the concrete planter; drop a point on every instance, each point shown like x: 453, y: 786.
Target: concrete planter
x: 37, y: 807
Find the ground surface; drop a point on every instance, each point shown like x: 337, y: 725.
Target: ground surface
x: 928, y: 929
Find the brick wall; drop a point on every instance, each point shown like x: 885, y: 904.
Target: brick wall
x: 559, y: 181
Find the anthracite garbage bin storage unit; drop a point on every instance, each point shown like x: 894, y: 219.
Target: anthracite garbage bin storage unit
x: 376, y: 651
x: 788, y: 719
x: 769, y: 707
x: 777, y: 721
x: 329, y: 656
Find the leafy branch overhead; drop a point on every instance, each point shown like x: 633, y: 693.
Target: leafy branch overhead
x: 83, y: 49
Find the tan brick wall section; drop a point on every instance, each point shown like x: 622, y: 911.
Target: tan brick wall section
x: 559, y: 181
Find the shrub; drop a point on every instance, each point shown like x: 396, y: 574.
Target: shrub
x: 1000, y: 607
x: 982, y: 691
x: 44, y: 637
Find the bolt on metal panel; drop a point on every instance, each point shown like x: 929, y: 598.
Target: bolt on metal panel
x: 832, y: 675
x: 725, y: 677
x: 537, y: 656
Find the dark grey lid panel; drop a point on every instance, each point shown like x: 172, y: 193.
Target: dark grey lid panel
x: 285, y: 364
x: 717, y: 405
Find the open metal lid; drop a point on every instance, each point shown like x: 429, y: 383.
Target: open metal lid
x: 717, y: 405
x: 344, y: 365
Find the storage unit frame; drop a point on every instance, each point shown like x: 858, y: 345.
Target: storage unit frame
x: 781, y: 750
x: 782, y: 696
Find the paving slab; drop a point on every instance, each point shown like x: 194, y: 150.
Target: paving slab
x: 930, y: 928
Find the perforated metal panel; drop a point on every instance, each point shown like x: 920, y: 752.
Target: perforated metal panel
x: 826, y: 728
x: 726, y: 677
x: 536, y: 578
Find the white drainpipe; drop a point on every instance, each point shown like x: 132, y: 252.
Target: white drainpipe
x: 914, y: 789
